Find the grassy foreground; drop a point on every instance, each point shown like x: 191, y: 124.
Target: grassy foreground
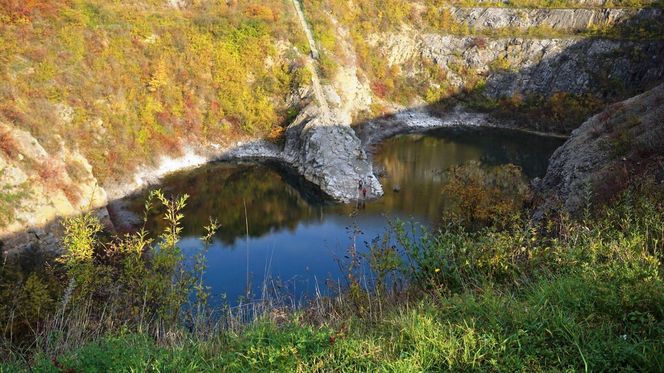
x: 572, y: 322
x: 561, y: 295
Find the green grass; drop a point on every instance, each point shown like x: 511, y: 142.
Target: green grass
x: 566, y: 294
x: 572, y: 322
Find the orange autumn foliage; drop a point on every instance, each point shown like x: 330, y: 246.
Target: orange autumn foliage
x: 261, y: 12
x: 27, y: 9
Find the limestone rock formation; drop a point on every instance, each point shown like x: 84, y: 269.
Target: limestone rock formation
x: 621, y: 145
x: 568, y: 20
x: 531, y: 66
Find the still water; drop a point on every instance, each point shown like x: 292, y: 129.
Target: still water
x: 295, y: 237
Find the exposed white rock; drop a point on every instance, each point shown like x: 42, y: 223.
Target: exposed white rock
x: 64, y: 112
x: 177, y: 4
x: 418, y: 120
x: 556, y: 19
x: 151, y: 39
x: 541, y: 66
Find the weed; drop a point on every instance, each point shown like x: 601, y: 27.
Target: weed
x: 8, y: 145
x: 563, y: 294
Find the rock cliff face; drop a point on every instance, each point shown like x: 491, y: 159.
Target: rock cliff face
x: 320, y: 143
x: 63, y: 183
x: 563, y: 20
x: 622, y: 144
x: 531, y: 66
x: 574, y: 3
x: 332, y: 157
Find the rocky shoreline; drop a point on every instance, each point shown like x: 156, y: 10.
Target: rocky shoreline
x: 323, y: 147
x: 338, y: 143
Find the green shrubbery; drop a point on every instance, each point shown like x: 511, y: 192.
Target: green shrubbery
x: 136, y: 282
x: 476, y: 196
x: 10, y: 201
x: 561, y: 294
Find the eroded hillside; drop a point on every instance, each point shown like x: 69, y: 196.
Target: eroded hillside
x: 94, y: 90
x: 97, y: 97
x: 613, y: 149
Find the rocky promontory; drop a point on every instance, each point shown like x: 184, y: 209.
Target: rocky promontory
x: 620, y: 146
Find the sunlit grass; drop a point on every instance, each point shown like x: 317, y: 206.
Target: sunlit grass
x: 564, y: 294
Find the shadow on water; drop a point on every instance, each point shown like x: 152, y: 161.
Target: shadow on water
x: 275, y: 198
x: 294, y: 234
x: 287, y: 214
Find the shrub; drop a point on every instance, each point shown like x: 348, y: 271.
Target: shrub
x: 476, y: 196
x: 261, y: 12
x: 479, y: 42
x: 11, y: 199
x: 27, y: 9
x: 131, y: 281
x: 8, y: 145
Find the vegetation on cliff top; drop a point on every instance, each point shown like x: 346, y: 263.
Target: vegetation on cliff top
x: 126, y: 82
x: 417, y: 79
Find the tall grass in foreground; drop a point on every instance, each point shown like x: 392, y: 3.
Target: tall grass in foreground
x: 565, y: 294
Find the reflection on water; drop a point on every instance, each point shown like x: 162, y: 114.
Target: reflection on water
x: 416, y: 164
x: 223, y: 190
x: 295, y: 236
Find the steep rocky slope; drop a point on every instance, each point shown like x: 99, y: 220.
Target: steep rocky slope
x: 147, y: 95
x: 554, y: 19
x: 619, y: 146
x: 516, y: 65
x: 98, y: 97
x: 70, y: 183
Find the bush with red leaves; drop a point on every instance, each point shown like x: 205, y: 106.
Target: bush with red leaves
x: 28, y: 9
x: 380, y: 89
x: 8, y: 144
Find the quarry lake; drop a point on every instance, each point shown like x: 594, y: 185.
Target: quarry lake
x: 291, y: 239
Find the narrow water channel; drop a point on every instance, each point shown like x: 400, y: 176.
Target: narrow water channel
x: 294, y: 236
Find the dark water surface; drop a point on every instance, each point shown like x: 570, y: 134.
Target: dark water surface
x: 294, y: 236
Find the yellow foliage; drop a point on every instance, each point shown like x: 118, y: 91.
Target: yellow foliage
x: 477, y: 196
x: 154, y: 75
x: 35, y: 298
x: 159, y: 77
x: 500, y: 63
x: 261, y: 12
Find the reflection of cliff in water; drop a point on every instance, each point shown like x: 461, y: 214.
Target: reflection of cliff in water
x: 446, y: 147
x: 273, y: 199
x: 279, y: 200
x: 415, y: 165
